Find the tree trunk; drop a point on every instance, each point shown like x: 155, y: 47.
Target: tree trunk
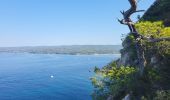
x: 127, y: 21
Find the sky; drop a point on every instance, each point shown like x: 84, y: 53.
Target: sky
x: 63, y: 22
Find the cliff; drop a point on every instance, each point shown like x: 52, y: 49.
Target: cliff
x: 122, y: 78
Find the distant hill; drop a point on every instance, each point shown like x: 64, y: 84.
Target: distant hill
x: 73, y: 49
x: 159, y: 11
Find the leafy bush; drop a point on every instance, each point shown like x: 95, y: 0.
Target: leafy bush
x: 154, y: 29
x: 113, y: 81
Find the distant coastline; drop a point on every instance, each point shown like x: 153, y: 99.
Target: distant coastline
x: 70, y: 49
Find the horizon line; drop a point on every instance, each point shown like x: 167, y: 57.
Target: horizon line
x: 64, y: 45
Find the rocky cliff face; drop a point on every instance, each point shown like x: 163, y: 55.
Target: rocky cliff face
x: 128, y: 53
x: 122, y: 78
x: 155, y: 55
x: 156, y: 76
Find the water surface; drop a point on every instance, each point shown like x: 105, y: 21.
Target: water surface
x: 48, y: 76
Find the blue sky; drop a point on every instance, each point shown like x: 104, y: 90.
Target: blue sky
x: 62, y: 22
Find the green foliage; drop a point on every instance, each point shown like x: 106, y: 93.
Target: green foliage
x: 163, y: 48
x: 113, y: 81
x: 162, y: 95
x: 154, y: 29
x: 159, y: 95
x: 153, y: 75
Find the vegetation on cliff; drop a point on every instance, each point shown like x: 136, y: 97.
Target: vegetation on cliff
x: 143, y: 71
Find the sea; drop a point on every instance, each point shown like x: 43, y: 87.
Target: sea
x: 26, y: 76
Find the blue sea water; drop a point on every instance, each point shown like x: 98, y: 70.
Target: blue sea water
x: 26, y: 76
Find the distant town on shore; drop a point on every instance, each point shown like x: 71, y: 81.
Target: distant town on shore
x: 69, y: 49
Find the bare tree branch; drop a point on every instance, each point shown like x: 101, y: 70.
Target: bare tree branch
x: 157, y: 39
x: 127, y: 21
x: 130, y: 11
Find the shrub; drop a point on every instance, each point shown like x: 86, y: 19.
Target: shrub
x: 113, y: 81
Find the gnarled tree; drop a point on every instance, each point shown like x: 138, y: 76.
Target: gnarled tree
x: 138, y: 37
x: 127, y: 21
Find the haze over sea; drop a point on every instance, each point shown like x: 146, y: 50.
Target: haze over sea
x: 25, y: 76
